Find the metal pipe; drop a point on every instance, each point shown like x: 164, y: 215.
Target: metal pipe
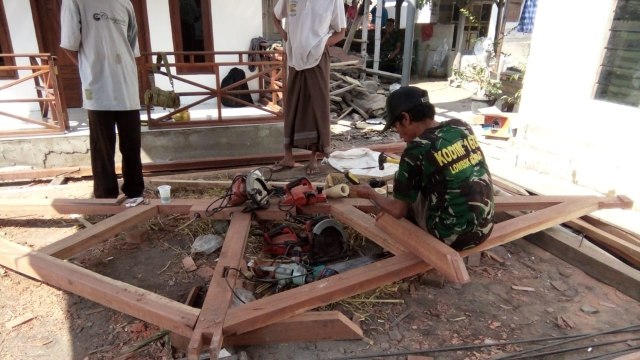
x: 407, y: 54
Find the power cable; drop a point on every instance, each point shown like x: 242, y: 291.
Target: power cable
x: 585, y: 336
x: 476, y: 346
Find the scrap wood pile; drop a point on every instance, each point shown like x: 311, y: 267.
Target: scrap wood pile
x: 352, y: 99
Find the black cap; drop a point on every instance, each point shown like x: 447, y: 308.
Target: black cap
x: 403, y: 100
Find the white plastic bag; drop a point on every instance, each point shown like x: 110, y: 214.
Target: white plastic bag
x: 206, y: 244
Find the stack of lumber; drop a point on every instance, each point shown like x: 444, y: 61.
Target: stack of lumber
x: 621, y: 243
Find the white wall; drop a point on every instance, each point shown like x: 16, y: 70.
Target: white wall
x: 564, y: 131
x: 235, y: 23
x: 23, y: 39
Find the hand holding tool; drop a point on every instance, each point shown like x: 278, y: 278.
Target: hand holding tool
x: 382, y: 159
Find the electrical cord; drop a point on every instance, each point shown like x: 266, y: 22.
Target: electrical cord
x: 613, y: 355
x: 226, y: 198
x: 580, y: 347
x: 476, y: 346
x: 223, y: 200
x: 585, y: 336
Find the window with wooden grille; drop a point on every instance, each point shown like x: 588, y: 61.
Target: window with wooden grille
x: 5, y: 47
x: 619, y: 80
x: 192, y: 31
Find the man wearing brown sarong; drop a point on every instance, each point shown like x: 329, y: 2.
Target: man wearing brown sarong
x: 311, y: 28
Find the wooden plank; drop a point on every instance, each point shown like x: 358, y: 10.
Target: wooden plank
x: 220, y: 292
x: 382, y: 73
x: 522, y: 203
x: 508, y: 186
x: 53, y: 207
x: 624, y: 234
x: 44, y: 173
x: 273, y: 213
x: 208, y: 184
x: 366, y: 225
x: 100, y: 232
x: 139, y: 303
x: 352, y: 33
x: 533, y: 222
x: 426, y: 246
x: 311, y: 326
x: 278, y: 307
x: 613, y: 244
x: 295, y: 301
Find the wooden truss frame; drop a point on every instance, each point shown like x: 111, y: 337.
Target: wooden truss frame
x: 281, y: 317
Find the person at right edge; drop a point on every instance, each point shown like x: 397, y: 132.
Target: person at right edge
x: 312, y: 27
x: 101, y: 37
x: 443, y: 183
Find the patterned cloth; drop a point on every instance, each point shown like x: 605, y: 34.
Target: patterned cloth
x: 528, y: 16
x: 444, y: 168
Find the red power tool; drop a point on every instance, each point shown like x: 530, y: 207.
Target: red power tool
x: 301, y: 192
x: 281, y: 240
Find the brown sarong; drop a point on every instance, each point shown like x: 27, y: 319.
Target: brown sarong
x: 306, y: 113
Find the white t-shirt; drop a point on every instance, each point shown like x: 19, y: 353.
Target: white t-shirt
x: 105, y: 34
x: 309, y: 23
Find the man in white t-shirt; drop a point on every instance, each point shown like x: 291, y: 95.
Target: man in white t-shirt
x: 311, y: 28
x: 101, y: 37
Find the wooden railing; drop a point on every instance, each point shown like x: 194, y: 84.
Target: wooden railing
x: 270, y: 73
x: 53, y: 112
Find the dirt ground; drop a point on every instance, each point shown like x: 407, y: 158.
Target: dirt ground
x: 517, y: 292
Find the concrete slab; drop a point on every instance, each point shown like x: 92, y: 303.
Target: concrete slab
x: 158, y: 146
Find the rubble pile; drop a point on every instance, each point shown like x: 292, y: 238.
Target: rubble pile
x: 353, y: 100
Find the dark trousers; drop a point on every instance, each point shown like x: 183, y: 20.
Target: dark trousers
x: 102, y: 140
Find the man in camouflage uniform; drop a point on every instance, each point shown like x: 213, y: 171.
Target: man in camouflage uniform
x: 443, y: 183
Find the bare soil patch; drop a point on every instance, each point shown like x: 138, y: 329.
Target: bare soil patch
x: 517, y: 292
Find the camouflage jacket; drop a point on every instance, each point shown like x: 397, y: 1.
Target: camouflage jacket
x: 447, y: 167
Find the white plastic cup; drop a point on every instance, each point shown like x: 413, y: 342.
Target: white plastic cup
x: 165, y: 193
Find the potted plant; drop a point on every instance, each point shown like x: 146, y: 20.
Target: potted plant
x: 486, y: 90
x: 511, y: 88
x: 478, y: 76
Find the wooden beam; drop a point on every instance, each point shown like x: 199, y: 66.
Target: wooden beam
x: 44, y: 173
x: 523, y: 203
x: 85, y: 239
x: 295, y: 301
x: 366, y: 225
x: 139, y: 303
x: 533, y: 222
x: 352, y: 33
x: 382, y: 73
x: 208, y: 184
x: 311, y: 326
x: 220, y: 291
x: 621, y: 248
x: 51, y: 207
x: 624, y: 234
x: 424, y: 245
x: 278, y: 307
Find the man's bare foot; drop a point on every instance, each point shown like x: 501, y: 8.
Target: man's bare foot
x: 284, y: 164
x: 312, y: 167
